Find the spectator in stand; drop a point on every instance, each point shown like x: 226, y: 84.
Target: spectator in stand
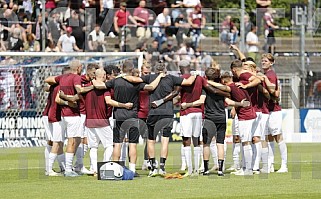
x: 95, y: 4
x: 120, y: 22
x: 15, y: 43
x: 182, y: 28
x: 176, y: 6
x: 31, y: 45
x: 252, y: 44
x: 75, y: 4
x: 108, y: 5
x: 78, y: 28
x: 190, y: 5
x: 2, y: 46
x: 228, y: 31
x: 108, y: 15
x: 153, y: 53
x: 197, y: 21
x: 261, y: 8
x: 141, y: 15
x: 169, y: 56
x: 158, y: 6
x: 141, y: 47
x: 186, y: 52
x: 52, y: 47
x: 247, y: 25
x: 162, y: 21
x: 269, y: 31
x: 54, y: 26
x: 96, y: 40
x: 67, y: 42
x: 51, y: 4
x: 36, y: 29
x: 27, y: 5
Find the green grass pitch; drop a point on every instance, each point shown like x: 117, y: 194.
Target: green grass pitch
x: 22, y: 176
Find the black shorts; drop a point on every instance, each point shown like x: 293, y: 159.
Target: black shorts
x: 211, y: 129
x: 159, y: 123
x: 120, y: 131
x: 221, y: 130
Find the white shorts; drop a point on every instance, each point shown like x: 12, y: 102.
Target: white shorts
x: 72, y: 126
x: 264, y: 122
x: 275, y: 123
x: 58, y: 135
x: 235, y: 126
x: 103, y: 135
x: 48, y: 127
x: 245, y: 130
x: 112, y: 122
x: 83, y: 127
x: 257, y: 126
x: 191, y: 124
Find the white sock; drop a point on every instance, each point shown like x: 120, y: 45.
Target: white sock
x: 132, y: 167
x: 85, y: 149
x: 93, y: 159
x: 47, y: 151
x: 108, y: 152
x: 80, y: 156
x: 202, y: 158
x: 258, y: 154
x: 124, y: 150
x: 188, y: 156
x: 52, y: 158
x: 254, y: 154
x: 197, y: 153
x: 265, y: 157
x: 69, y: 159
x: 271, y: 154
x: 248, y: 156
x: 284, y: 153
x: 213, y: 149
x: 243, y: 158
x: 183, y: 155
x: 236, y: 154
x: 225, y: 149
x: 61, y: 161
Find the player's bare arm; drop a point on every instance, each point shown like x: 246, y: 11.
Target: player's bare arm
x: 154, y: 84
x: 62, y: 102
x: 81, y: 89
x: 99, y: 84
x: 219, y: 86
x: 167, y: 98
x: 51, y: 80
x: 243, y: 103
x: 217, y: 91
x: 264, y: 91
x: 253, y: 81
x: 114, y: 103
x: 270, y: 86
x: 196, y: 103
x: 69, y: 98
x: 189, y: 81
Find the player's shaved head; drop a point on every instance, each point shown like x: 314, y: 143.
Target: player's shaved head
x: 100, y: 74
x: 75, y: 66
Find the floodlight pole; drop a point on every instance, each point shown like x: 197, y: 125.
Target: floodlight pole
x: 302, y: 13
x: 43, y: 32
x: 242, y: 27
